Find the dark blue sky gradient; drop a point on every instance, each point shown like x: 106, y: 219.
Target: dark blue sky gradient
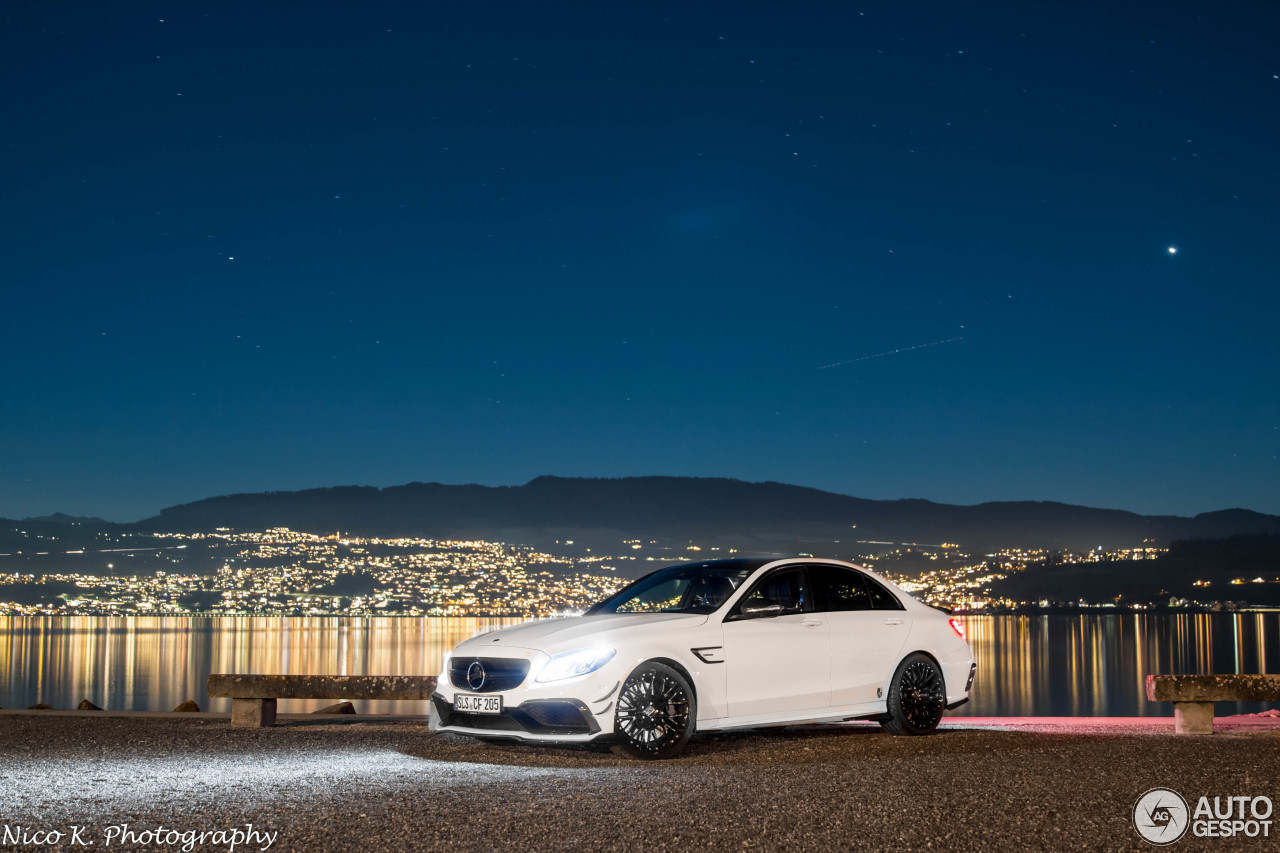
x: 265, y: 246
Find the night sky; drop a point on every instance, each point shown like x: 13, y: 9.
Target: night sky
x: 894, y: 250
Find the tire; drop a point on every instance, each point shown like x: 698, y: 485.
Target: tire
x: 917, y: 697
x: 656, y: 713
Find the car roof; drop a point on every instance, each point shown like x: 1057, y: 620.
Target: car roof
x: 749, y: 563
x: 753, y: 563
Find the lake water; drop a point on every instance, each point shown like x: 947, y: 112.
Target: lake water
x: 1088, y: 665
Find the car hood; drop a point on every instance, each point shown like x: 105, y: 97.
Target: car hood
x: 561, y: 635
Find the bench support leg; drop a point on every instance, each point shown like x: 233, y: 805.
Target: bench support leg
x: 253, y: 712
x: 1193, y: 718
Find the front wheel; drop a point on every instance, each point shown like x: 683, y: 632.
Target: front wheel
x: 656, y: 713
x: 916, y: 697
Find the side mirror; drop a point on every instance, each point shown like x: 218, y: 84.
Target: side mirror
x: 764, y: 611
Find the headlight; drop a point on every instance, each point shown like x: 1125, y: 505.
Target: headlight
x: 573, y: 664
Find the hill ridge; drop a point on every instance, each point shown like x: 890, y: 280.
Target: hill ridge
x: 707, y: 509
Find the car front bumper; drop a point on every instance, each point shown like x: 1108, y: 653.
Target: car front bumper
x: 552, y: 720
x: 573, y: 710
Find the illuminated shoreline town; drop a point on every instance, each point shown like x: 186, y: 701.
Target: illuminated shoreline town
x: 967, y: 585
x: 289, y: 573
x: 285, y: 572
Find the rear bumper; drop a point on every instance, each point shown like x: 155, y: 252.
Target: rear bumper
x: 958, y: 669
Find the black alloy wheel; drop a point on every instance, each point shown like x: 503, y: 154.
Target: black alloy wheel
x: 655, y: 713
x: 917, y: 697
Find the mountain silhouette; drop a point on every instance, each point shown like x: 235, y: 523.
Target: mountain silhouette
x: 766, y: 516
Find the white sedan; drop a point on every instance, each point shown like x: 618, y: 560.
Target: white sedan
x: 709, y: 646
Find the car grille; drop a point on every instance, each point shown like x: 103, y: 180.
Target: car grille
x: 499, y: 673
x: 488, y: 722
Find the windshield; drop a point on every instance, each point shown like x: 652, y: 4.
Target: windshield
x: 689, y: 588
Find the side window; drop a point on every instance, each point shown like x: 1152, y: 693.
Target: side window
x: 881, y: 597
x: 780, y: 592
x: 835, y: 588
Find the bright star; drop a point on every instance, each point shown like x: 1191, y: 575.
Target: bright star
x: 1173, y: 250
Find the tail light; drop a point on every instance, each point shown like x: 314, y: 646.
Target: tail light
x: 958, y: 627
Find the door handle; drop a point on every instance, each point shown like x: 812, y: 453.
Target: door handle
x: 812, y: 624
x: 892, y: 621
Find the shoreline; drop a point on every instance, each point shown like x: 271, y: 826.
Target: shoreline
x: 1043, y: 724
x: 1038, y: 724
x: 1145, y: 607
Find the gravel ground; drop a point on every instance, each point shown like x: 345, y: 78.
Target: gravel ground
x: 368, y: 784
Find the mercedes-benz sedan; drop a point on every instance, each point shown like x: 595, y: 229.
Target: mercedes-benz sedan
x: 709, y: 646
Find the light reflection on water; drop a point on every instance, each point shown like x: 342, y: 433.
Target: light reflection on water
x: 1093, y: 665
x: 152, y: 663
x: 1088, y: 665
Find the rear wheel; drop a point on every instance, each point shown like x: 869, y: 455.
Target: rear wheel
x: 916, y: 697
x: 655, y: 714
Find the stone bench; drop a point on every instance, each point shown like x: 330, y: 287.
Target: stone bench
x: 1193, y: 696
x: 253, y: 697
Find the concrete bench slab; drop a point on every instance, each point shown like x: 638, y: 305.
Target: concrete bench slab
x: 1193, y: 696
x: 254, y: 697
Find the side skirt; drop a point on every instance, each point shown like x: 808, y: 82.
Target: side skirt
x: 865, y: 711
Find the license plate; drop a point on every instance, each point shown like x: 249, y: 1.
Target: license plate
x: 469, y: 703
